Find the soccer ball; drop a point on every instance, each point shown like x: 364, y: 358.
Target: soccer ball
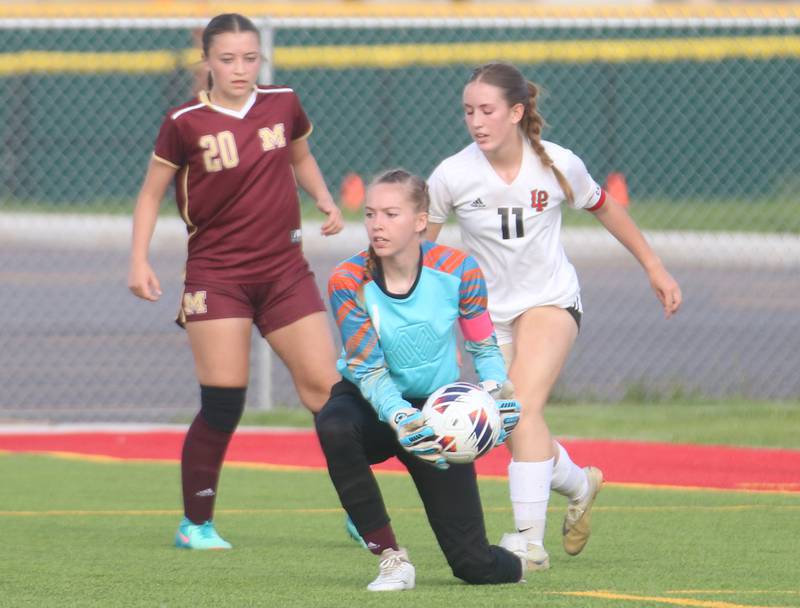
x: 465, y: 419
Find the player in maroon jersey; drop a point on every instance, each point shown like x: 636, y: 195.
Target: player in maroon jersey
x: 236, y: 154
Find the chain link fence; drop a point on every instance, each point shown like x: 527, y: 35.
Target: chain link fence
x: 695, y: 119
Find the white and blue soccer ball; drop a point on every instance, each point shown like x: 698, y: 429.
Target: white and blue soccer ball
x: 465, y: 419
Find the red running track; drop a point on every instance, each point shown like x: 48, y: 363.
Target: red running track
x: 622, y: 462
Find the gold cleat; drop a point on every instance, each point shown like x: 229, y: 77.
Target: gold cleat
x: 578, y: 522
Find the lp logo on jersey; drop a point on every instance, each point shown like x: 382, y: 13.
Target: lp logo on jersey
x: 539, y: 199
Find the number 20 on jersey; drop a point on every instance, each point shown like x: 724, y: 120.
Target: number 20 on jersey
x: 221, y: 151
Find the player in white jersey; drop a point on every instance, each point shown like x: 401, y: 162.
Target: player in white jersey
x: 515, y: 228
x: 506, y: 189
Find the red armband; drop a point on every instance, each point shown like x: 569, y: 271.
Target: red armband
x: 478, y: 328
x: 599, y: 203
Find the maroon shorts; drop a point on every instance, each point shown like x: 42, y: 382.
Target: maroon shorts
x: 270, y: 305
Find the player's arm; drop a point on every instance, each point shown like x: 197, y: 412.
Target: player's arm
x: 476, y: 325
x: 366, y: 367
x: 310, y: 178
x: 615, y: 218
x: 618, y: 222
x: 363, y: 356
x: 142, y: 281
x: 481, y: 344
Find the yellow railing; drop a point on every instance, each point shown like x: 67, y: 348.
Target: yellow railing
x: 164, y: 8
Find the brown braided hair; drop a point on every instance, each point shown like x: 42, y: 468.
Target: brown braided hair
x: 517, y: 89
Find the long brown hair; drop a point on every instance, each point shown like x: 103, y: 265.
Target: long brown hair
x: 517, y: 89
x: 223, y: 24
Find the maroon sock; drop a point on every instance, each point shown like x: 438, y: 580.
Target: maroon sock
x: 201, y: 461
x: 380, y: 539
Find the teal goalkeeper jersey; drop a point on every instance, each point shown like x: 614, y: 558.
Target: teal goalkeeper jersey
x: 402, y: 347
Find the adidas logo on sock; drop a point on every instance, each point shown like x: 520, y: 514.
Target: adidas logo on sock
x: 477, y: 204
x: 206, y: 492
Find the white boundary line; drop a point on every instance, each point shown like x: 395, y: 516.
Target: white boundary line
x: 695, y: 248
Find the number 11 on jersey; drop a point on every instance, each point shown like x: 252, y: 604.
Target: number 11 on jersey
x: 505, y: 213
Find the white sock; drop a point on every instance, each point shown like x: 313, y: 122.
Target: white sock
x: 529, y: 485
x: 568, y: 478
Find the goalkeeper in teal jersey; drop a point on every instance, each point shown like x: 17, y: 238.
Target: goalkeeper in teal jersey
x: 397, y: 306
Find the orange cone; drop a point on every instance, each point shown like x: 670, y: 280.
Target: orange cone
x: 352, y: 192
x: 617, y: 187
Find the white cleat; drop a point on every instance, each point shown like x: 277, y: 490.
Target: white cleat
x: 578, y: 522
x: 533, y: 556
x: 396, y: 572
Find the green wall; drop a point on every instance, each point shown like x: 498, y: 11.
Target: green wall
x: 683, y: 130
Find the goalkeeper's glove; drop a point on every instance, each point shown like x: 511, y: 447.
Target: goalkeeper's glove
x: 507, y: 405
x: 416, y: 437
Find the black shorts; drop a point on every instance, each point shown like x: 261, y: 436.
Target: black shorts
x: 576, y: 314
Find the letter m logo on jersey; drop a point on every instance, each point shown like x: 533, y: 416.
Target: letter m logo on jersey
x: 412, y: 346
x: 272, y: 138
x: 539, y: 199
x: 195, y: 303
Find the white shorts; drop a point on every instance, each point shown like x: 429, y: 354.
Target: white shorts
x: 505, y: 332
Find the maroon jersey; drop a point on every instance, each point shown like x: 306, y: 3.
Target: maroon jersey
x: 235, y: 187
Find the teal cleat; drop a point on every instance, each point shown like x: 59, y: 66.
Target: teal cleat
x: 199, y: 536
x: 353, y: 532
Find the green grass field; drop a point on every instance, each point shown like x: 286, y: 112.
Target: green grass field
x: 91, y: 533
x: 80, y: 533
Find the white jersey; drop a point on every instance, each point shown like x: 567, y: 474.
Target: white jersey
x: 513, y: 230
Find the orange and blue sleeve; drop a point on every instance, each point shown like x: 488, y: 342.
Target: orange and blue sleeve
x: 476, y: 324
x: 363, y: 361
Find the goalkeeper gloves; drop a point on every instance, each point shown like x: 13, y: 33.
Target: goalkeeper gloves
x: 508, y: 407
x: 416, y: 437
